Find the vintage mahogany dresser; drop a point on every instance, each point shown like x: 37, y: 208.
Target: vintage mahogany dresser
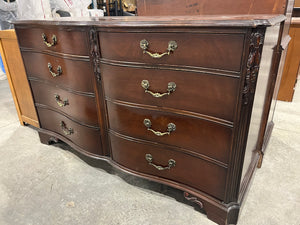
x: 177, y: 100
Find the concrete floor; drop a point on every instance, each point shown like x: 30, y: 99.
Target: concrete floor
x: 46, y: 185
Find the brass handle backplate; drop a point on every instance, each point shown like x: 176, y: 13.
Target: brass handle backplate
x: 54, y: 40
x: 171, y: 163
x: 67, y: 131
x: 144, y: 44
x: 59, y: 70
x: 61, y: 103
x: 171, y: 127
x: 171, y: 88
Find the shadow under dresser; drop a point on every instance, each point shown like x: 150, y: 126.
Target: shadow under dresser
x: 176, y: 100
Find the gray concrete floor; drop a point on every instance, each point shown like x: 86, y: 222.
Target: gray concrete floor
x: 42, y: 184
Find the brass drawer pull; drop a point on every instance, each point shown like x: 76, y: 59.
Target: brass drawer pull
x: 61, y: 103
x: 67, y: 131
x: 171, y: 127
x: 171, y: 88
x: 59, y: 70
x: 54, y: 40
x: 171, y: 163
x: 144, y: 44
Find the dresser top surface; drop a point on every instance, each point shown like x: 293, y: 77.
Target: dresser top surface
x: 161, y: 21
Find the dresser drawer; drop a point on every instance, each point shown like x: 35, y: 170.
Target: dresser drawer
x: 192, y: 134
x: 207, y: 50
x: 188, y: 170
x: 210, y: 95
x: 79, y: 107
x: 68, y: 41
x: 75, y: 74
x: 85, y: 137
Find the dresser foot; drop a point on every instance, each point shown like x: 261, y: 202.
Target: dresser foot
x: 222, y: 215
x: 261, y: 157
x: 47, y: 139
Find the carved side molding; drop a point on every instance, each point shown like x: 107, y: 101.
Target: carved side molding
x: 194, y: 199
x: 95, y: 54
x: 253, y: 62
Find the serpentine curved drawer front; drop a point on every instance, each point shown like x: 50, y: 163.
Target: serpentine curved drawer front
x: 206, y: 139
x: 68, y: 41
x: 208, y: 94
x: 75, y: 74
x: 87, y: 138
x: 195, y: 49
x: 79, y: 107
x: 174, y: 97
x: 188, y: 170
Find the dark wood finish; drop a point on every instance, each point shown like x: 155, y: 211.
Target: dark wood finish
x: 216, y: 68
x: 194, y: 49
x: 69, y: 41
x: 76, y: 74
x: 207, y: 7
x: 79, y: 107
x: 17, y: 79
x: 85, y: 137
x: 77, y: 83
x: 216, y: 94
x: 100, y: 102
x: 146, y: 22
x: 188, y: 170
x: 213, y: 140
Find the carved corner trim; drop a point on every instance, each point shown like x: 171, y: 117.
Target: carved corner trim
x: 95, y: 54
x: 194, y: 199
x: 253, y: 62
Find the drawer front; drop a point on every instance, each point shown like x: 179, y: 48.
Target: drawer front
x: 87, y: 138
x: 68, y: 41
x: 75, y: 74
x: 196, y: 135
x: 188, y: 170
x: 205, y: 94
x: 79, y: 107
x: 208, y: 50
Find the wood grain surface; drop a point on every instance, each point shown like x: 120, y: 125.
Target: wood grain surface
x: 76, y: 74
x: 17, y: 79
x: 188, y: 170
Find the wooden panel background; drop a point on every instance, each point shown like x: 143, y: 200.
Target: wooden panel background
x: 292, y: 63
x: 17, y: 79
x: 209, y: 7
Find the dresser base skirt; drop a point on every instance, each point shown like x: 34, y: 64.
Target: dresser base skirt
x: 215, y: 210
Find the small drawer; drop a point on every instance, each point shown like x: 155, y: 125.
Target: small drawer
x: 74, y: 74
x: 193, y: 134
x: 81, y: 108
x: 210, y: 95
x: 87, y: 138
x: 184, y: 168
x: 207, y: 50
x: 69, y: 41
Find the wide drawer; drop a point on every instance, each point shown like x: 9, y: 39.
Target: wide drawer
x: 75, y: 74
x: 81, y: 108
x: 70, y: 41
x: 188, y: 170
x: 210, y: 95
x: 192, y: 134
x: 85, y: 137
x: 209, y: 49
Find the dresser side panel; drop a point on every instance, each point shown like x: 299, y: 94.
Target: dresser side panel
x: 271, y: 38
